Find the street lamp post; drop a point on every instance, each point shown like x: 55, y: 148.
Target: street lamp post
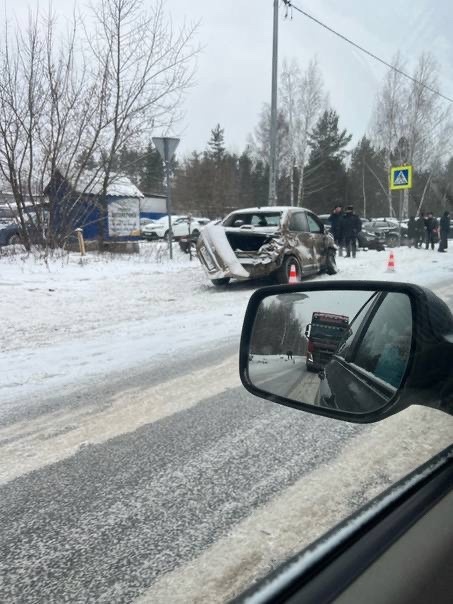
x: 166, y: 147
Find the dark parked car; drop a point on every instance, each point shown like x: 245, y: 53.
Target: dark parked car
x: 10, y: 229
x: 366, y: 239
x: 387, y: 229
x: 263, y: 242
x: 10, y: 234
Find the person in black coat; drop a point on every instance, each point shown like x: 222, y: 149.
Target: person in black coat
x: 431, y: 230
x: 420, y: 227
x: 351, y: 225
x: 335, y: 220
x: 412, y: 234
x: 444, y: 232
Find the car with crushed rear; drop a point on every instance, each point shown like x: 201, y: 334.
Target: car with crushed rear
x: 266, y: 242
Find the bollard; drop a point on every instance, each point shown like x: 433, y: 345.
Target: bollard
x: 81, y: 241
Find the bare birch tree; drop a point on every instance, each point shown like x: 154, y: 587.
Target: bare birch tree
x: 68, y: 98
x: 302, y: 101
x: 388, y: 118
x: 312, y: 103
x: 290, y: 85
x: 147, y: 67
x: 411, y: 122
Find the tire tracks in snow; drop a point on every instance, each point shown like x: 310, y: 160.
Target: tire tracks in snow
x: 369, y: 463
x: 31, y: 444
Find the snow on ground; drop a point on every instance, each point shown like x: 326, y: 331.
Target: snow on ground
x: 420, y: 266
x: 69, y: 319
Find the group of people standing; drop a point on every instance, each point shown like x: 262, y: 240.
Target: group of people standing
x: 425, y: 229
x: 345, y: 226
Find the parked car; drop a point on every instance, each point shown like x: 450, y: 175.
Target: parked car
x: 202, y: 221
x: 365, y: 239
x: 324, y: 218
x: 371, y: 241
x: 7, y: 215
x: 179, y: 224
x: 10, y: 234
x: 266, y: 242
x: 388, y: 229
x: 11, y: 231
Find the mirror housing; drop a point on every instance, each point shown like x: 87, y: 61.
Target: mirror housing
x: 428, y: 376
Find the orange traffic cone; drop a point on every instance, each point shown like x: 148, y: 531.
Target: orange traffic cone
x: 391, y: 263
x: 292, y: 274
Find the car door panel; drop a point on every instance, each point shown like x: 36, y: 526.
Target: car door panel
x: 303, y: 241
x: 318, y: 240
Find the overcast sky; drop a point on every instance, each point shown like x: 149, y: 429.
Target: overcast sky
x: 233, y: 78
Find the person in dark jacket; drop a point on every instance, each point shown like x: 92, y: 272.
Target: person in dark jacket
x: 351, y: 225
x: 335, y: 220
x: 412, y: 234
x: 420, y: 227
x: 431, y: 230
x: 444, y: 232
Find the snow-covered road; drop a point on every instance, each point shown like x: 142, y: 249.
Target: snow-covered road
x: 67, y: 322
x: 134, y: 464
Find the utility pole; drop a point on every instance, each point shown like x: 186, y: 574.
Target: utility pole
x: 273, y: 164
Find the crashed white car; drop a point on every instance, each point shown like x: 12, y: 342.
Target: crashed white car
x: 267, y: 241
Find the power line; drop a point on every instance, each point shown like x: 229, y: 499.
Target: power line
x: 289, y: 4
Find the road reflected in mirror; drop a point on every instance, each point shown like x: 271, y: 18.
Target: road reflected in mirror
x: 346, y: 350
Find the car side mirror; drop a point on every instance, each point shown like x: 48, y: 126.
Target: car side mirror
x: 361, y: 351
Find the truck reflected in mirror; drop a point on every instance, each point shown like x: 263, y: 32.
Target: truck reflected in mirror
x: 324, y: 334
x: 344, y: 350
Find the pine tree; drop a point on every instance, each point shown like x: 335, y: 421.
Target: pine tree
x: 367, y: 176
x: 326, y: 140
x: 260, y: 183
x: 216, y: 144
x: 325, y: 180
x: 245, y: 181
x: 152, y: 171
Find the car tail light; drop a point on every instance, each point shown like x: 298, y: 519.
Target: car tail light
x: 311, y: 347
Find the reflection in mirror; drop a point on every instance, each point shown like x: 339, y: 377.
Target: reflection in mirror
x: 346, y: 350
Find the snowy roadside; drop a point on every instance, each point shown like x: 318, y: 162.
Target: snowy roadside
x: 70, y: 321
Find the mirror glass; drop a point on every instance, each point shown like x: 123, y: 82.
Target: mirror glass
x: 345, y: 350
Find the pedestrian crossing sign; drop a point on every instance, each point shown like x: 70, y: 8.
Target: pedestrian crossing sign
x: 401, y: 178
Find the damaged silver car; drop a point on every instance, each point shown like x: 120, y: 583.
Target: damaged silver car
x: 263, y: 242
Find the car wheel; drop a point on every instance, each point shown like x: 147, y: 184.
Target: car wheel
x: 282, y: 274
x: 392, y: 241
x: 331, y: 263
x: 220, y: 282
x: 14, y: 239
